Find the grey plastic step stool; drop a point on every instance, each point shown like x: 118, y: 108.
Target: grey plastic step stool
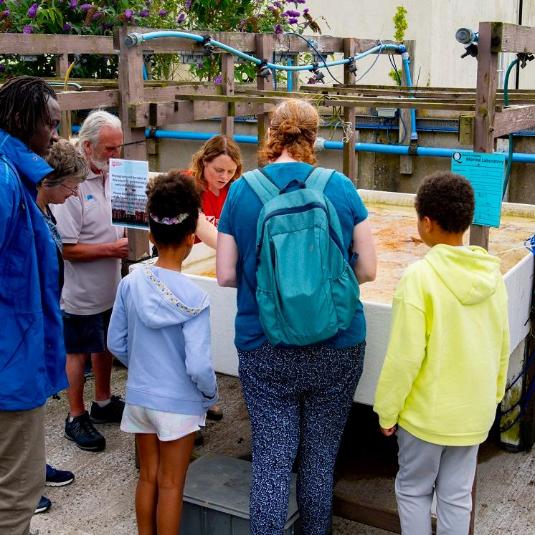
x: 216, y: 498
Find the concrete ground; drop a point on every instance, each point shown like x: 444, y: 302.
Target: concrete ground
x: 101, y: 500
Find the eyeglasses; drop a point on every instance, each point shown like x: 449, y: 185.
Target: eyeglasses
x: 73, y: 191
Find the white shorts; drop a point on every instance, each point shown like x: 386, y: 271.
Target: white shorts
x: 167, y: 425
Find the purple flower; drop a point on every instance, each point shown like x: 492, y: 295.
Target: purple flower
x: 278, y: 5
x: 86, y: 7
x: 2, y: 68
x: 4, y: 14
x: 128, y: 14
x: 181, y: 17
x: 305, y: 11
x: 96, y: 16
x: 299, y: 2
x: 32, y: 11
x: 67, y: 27
x: 293, y: 20
x: 292, y: 13
x: 27, y: 29
x: 218, y: 80
x: 162, y: 12
x: 187, y: 5
x: 144, y: 13
x: 73, y: 4
x: 277, y: 29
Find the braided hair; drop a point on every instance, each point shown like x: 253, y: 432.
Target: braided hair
x: 24, y: 105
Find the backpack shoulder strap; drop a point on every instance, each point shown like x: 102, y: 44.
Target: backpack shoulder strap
x: 319, y: 178
x: 261, y: 185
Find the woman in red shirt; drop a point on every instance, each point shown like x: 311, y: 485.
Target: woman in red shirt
x: 215, y: 166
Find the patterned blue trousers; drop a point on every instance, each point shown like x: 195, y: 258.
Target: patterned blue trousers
x: 298, y: 402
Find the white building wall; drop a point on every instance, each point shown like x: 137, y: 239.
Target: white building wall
x: 432, y: 24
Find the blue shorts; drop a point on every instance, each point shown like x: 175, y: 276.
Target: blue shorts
x: 86, y: 334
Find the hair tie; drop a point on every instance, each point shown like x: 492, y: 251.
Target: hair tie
x: 170, y: 220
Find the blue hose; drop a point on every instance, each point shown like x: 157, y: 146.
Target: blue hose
x: 134, y: 39
x: 400, y: 150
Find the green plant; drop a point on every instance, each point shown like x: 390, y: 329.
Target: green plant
x: 100, y: 17
x: 400, y: 26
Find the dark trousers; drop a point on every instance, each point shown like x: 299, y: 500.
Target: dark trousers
x: 298, y: 402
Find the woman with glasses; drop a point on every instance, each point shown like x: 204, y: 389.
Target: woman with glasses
x: 69, y: 169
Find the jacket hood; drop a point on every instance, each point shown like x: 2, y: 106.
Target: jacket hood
x: 470, y: 273
x: 163, y: 298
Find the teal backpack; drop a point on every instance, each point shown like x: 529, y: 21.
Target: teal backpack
x: 306, y: 290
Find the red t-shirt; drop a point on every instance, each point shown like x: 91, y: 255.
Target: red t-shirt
x: 212, y: 205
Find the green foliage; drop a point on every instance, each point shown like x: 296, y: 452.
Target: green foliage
x: 400, y: 26
x: 100, y: 17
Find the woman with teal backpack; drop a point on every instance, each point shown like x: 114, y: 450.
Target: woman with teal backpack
x: 296, y: 243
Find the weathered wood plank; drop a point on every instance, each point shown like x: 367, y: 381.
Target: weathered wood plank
x: 131, y: 91
x: 87, y: 100
x: 514, y: 119
x: 513, y: 38
x: 466, y: 130
x: 35, y: 44
x: 264, y: 49
x: 246, y: 42
x: 227, y: 71
x: 487, y: 82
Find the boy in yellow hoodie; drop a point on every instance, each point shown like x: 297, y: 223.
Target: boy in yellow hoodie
x: 446, y: 365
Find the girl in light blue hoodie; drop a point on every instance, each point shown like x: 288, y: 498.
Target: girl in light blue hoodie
x: 160, y: 329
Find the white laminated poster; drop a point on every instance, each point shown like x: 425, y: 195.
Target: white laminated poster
x: 128, y: 179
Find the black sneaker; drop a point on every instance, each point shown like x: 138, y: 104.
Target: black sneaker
x: 43, y: 506
x: 110, y: 414
x: 81, y: 431
x: 58, y: 478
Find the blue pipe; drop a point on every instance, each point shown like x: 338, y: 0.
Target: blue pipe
x: 400, y: 150
x: 134, y: 39
x: 406, y: 62
x: 289, y: 79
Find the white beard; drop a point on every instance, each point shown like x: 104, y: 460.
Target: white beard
x: 101, y: 165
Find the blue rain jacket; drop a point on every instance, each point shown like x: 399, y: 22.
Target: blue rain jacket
x: 32, y: 353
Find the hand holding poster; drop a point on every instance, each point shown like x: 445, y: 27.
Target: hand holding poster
x: 128, y: 180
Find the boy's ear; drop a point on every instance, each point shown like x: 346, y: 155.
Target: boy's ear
x: 428, y: 224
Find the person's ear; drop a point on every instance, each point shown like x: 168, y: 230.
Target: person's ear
x: 428, y: 224
x: 87, y: 147
x: 190, y: 239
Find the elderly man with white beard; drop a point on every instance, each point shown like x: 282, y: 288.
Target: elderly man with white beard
x: 92, y: 249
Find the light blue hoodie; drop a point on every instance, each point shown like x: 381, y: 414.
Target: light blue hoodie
x: 160, y: 329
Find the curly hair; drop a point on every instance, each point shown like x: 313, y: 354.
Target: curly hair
x: 170, y: 195
x: 213, y: 148
x: 448, y: 199
x: 24, y: 105
x: 67, y: 162
x: 294, y: 127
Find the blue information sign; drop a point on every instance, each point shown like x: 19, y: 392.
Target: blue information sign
x: 486, y: 172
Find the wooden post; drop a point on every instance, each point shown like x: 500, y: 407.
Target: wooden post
x: 65, y: 125
x: 350, y: 135
x: 227, y: 69
x: 264, y: 50
x: 405, y: 117
x: 131, y: 91
x: 487, y: 83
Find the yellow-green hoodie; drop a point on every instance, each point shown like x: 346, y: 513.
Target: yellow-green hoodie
x: 446, y: 364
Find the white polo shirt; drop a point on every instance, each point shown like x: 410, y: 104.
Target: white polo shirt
x: 90, y: 287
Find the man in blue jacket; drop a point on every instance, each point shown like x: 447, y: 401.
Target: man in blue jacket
x: 32, y: 354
